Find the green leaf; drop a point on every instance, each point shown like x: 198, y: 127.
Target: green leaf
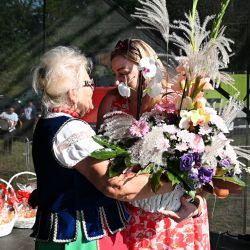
x: 147, y: 170
x: 128, y: 163
x: 234, y: 179
x: 173, y: 178
x: 221, y: 172
x: 191, y: 193
x: 104, y: 142
x: 173, y: 167
x: 109, y: 146
x: 104, y: 154
x: 196, y: 89
x: 117, y: 166
x: 155, y: 180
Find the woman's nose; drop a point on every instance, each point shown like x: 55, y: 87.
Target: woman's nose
x: 122, y: 78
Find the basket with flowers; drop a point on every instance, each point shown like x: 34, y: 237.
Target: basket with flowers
x: 8, y: 211
x: 25, y: 213
x: 182, y: 138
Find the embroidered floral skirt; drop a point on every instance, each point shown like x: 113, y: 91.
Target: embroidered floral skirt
x: 157, y: 232
x: 112, y: 242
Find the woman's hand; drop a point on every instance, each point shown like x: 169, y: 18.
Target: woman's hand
x: 188, y: 209
x: 125, y: 187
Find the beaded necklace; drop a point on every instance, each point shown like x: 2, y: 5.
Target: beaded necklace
x: 66, y: 111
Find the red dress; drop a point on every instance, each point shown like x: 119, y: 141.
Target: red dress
x: 156, y: 231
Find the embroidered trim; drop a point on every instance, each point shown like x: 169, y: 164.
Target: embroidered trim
x: 121, y: 219
x: 52, y: 219
x: 80, y: 221
x: 102, y: 216
x: 77, y: 225
x: 53, y: 140
x: 86, y: 232
x: 56, y: 231
x: 70, y: 141
x: 50, y: 230
x: 122, y: 208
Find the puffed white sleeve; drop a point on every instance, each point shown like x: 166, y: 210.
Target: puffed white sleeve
x: 74, y: 142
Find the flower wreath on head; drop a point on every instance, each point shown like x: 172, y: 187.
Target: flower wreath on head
x: 187, y: 142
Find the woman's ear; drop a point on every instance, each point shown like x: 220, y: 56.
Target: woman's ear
x: 72, y: 97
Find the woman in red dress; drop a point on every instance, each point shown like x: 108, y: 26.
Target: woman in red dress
x: 187, y: 227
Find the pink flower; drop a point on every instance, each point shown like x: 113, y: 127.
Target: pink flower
x: 139, y: 129
x: 197, y: 143
x: 161, y: 107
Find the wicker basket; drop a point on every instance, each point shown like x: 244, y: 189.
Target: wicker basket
x: 26, y: 218
x: 7, y: 227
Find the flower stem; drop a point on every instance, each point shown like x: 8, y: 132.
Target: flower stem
x: 193, y: 15
x: 139, y: 95
x: 218, y: 19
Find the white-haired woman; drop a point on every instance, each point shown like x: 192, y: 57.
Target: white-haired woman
x: 78, y: 204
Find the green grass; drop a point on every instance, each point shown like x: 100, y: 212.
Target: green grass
x: 20, y: 159
x: 240, y: 85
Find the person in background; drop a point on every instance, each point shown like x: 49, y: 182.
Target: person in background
x: 10, y: 119
x: 28, y: 117
x: 152, y: 230
x: 79, y: 205
x: 29, y: 111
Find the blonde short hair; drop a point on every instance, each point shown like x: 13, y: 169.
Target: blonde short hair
x: 60, y: 69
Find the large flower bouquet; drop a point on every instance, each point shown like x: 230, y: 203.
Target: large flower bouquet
x: 181, y: 138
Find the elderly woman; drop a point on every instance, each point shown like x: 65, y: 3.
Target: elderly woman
x: 78, y: 204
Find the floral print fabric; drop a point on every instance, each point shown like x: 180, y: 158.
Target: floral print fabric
x: 158, y: 232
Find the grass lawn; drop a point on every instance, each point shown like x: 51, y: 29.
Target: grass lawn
x: 20, y: 159
x: 240, y: 85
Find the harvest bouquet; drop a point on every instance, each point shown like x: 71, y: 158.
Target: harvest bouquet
x: 23, y: 188
x: 7, y: 208
x: 182, y: 138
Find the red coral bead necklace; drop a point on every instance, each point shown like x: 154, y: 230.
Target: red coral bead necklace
x: 66, y: 111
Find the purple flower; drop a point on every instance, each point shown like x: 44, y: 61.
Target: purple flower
x: 186, y: 162
x: 225, y: 162
x: 197, y: 157
x: 205, y: 175
x: 194, y: 174
x: 230, y: 173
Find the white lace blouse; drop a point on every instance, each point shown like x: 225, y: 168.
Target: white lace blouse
x: 73, y: 142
